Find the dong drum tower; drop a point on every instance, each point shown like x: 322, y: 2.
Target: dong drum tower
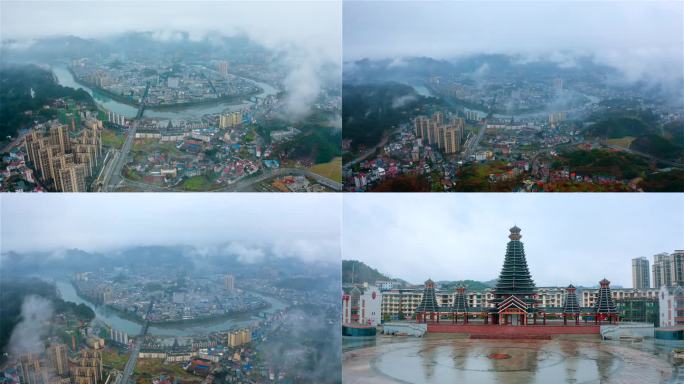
x: 515, y: 295
x: 428, y: 309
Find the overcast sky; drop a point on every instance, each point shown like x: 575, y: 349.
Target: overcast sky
x: 638, y: 37
x: 301, y: 225
x: 317, y: 25
x: 568, y: 238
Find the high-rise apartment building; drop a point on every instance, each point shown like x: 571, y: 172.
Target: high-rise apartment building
x: 73, y: 178
x: 452, y: 139
x: 57, y: 359
x: 677, y: 267
x: 433, y: 131
x: 420, y: 126
x: 59, y: 153
x: 662, y: 275
x: 240, y: 337
x: 641, y: 273
x: 31, y: 370
x: 230, y: 120
x: 223, y: 67
x: 89, y: 368
x: 229, y: 281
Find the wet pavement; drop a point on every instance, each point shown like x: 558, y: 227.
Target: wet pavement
x: 436, y: 359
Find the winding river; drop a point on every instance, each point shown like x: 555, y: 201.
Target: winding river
x: 66, y: 79
x: 113, y: 319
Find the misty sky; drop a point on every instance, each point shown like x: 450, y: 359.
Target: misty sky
x: 315, y: 25
x: 640, y: 38
x: 306, y: 226
x: 569, y: 238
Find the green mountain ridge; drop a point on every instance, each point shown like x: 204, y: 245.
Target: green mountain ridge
x: 363, y: 273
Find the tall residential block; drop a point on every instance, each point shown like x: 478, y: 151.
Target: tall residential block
x: 57, y: 359
x: 662, y: 275
x: 229, y: 280
x: 641, y: 273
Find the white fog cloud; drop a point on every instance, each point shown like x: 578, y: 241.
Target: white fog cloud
x: 643, y: 39
x: 249, y: 226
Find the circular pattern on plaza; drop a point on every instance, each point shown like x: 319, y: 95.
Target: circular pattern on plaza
x: 499, y: 356
x: 434, y: 360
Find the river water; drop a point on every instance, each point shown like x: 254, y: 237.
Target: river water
x: 112, y: 318
x: 66, y: 79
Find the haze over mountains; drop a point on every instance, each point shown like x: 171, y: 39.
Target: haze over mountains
x: 481, y: 68
x: 643, y: 40
x: 292, y: 68
x: 231, y: 256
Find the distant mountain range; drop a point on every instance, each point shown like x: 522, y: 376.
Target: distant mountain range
x: 364, y: 273
x: 358, y: 272
x: 144, y: 45
x: 510, y: 67
x: 217, y: 259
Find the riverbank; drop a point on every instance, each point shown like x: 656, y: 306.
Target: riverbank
x: 210, y: 319
x: 110, y: 94
x: 165, y: 107
x: 173, y: 323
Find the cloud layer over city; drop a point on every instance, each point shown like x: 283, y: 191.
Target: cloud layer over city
x: 568, y: 238
x: 246, y: 226
x: 308, y: 34
x: 641, y: 39
x: 315, y: 25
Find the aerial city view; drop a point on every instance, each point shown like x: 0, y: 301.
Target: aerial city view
x: 455, y: 294
x: 164, y: 132
x: 231, y: 295
x: 515, y: 96
x: 241, y: 102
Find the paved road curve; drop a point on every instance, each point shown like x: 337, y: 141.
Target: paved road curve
x: 133, y: 359
x: 243, y: 184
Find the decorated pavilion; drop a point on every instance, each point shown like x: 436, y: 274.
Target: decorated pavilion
x: 515, y: 299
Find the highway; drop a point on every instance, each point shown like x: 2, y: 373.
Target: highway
x: 370, y: 151
x: 243, y: 184
x: 113, y: 175
x: 133, y: 358
x: 114, y: 172
x: 668, y: 162
x: 473, y: 147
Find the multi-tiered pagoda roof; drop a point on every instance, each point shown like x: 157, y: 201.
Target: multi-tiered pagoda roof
x: 515, y: 278
x: 604, y: 301
x: 428, y: 304
x: 571, y: 305
x: 460, y: 301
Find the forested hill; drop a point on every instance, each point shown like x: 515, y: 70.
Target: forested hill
x: 12, y: 295
x: 362, y: 273
x: 20, y: 107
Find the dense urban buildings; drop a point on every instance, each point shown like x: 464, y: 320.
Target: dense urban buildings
x: 65, y: 156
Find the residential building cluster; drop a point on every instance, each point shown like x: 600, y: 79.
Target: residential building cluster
x: 402, y: 302
x: 65, y: 156
x: 434, y: 132
x: 55, y: 366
